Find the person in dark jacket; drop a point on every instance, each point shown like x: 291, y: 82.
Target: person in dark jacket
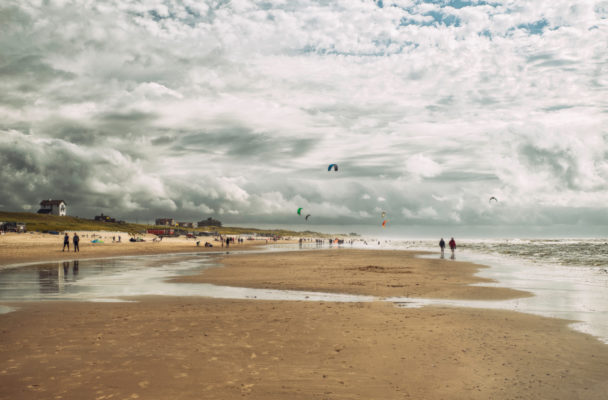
x: 66, y: 242
x: 76, y: 240
x: 442, y: 246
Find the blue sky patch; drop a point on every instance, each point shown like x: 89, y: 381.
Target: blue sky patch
x: 535, y: 28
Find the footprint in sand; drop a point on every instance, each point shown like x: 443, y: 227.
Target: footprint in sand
x: 246, y: 388
x: 143, y: 384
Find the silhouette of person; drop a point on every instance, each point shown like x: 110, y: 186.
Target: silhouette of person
x: 76, y: 240
x: 452, y: 244
x: 442, y: 246
x: 66, y: 242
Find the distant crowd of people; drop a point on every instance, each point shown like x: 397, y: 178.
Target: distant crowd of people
x: 226, y: 241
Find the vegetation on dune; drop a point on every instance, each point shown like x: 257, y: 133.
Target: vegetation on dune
x: 45, y: 223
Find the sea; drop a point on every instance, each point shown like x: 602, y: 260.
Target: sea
x: 568, y: 277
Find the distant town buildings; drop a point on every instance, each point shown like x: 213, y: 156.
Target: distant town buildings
x: 209, y: 222
x: 104, y: 218
x: 165, y: 221
x: 53, y: 207
x: 172, y: 223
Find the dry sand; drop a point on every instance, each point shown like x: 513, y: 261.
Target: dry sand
x: 197, y: 348
x: 34, y: 247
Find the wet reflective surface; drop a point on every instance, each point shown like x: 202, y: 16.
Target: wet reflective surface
x: 569, y: 292
x: 121, y: 278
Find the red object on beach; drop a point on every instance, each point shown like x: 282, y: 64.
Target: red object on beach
x: 160, y: 232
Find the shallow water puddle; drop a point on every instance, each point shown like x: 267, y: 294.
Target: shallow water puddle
x: 108, y: 280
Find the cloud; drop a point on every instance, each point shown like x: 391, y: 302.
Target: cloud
x: 421, y: 166
x: 236, y: 108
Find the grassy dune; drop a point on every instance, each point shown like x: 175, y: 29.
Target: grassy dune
x: 41, y: 222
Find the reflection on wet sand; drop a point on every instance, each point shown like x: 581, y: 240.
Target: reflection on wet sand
x: 51, y: 279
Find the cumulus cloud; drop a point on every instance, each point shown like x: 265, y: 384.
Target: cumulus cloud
x: 421, y: 166
x: 196, y: 109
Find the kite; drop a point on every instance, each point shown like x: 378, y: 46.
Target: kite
x: 307, y: 217
x: 493, y: 198
x: 383, y: 214
x: 300, y: 211
x: 334, y: 166
x: 384, y: 223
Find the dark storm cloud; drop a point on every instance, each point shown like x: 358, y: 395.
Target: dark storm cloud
x: 33, y: 69
x: 163, y: 140
x: 34, y: 169
x: 560, y: 164
x: 74, y: 132
x: 127, y: 124
x: 241, y: 143
x: 464, y: 176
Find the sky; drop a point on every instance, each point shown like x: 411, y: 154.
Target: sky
x: 234, y: 110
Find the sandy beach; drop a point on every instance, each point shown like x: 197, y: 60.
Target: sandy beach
x: 193, y: 348
x: 36, y: 247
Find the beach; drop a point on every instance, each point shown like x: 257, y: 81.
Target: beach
x: 37, y: 247
x: 160, y: 347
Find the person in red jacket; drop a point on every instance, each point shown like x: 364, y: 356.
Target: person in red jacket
x: 452, y: 244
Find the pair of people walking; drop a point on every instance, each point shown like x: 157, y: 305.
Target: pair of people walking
x: 451, y: 243
x: 75, y: 241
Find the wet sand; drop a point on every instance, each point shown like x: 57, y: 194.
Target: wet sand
x: 367, y: 272
x: 193, y: 348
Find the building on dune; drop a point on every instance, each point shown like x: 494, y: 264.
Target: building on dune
x: 104, y: 218
x: 209, y: 222
x: 53, y: 207
x: 165, y: 221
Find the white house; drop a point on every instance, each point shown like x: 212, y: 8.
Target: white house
x: 53, y: 207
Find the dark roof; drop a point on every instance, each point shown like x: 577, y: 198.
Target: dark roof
x: 51, y: 202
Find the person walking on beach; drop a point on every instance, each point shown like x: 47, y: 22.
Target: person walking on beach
x: 66, y: 242
x: 452, y: 244
x: 76, y: 240
x: 442, y: 246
